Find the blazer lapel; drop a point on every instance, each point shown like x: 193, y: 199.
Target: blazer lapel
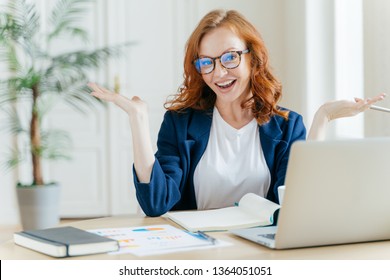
x: 270, y: 137
x: 199, y: 132
x: 200, y: 124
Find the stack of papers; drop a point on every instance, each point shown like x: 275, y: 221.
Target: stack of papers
x: 156, y: 239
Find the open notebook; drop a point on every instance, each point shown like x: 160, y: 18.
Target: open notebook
x: 252, y: 210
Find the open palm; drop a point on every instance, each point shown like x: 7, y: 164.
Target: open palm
x: 347, y: 108
x: 131, y: 106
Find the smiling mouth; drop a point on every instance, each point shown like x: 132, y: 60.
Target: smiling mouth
x: 226, y: 85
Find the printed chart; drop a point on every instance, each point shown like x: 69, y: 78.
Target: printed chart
x: 156, y: 239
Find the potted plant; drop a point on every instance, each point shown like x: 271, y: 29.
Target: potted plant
x: 38, y: 78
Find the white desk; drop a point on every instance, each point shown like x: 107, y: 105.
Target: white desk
x: 241, y: 249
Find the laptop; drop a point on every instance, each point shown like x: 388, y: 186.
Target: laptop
x: 336, y: 192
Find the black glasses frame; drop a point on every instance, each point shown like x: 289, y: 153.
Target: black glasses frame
x: 213, y: 59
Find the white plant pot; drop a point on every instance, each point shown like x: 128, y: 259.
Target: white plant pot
x: 39, y: 206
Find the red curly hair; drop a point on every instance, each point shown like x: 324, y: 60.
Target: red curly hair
x: 265, y: 88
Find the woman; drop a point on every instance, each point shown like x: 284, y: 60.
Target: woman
x: 223, y: 134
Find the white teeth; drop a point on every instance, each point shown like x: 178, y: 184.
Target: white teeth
x: 225, y: 83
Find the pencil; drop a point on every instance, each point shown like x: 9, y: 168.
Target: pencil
x: 382, y: 109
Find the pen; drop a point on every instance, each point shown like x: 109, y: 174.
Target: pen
x: 207, y: 237
x: 382, y: 109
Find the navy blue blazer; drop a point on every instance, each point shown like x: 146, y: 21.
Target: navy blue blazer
x: 182, y: 140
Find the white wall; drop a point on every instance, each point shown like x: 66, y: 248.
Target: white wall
x: 377, y: 63
x: 8, y: 202
x: 323, y: 59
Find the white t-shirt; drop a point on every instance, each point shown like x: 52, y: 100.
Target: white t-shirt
x: 232, y: 165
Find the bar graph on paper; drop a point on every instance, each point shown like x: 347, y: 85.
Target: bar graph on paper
x: 150, y: 240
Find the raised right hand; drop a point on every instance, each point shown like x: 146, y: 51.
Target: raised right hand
x: 138, y: 116
x: 133, y: 106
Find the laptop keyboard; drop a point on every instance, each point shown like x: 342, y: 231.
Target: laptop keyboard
x: 268, y: 235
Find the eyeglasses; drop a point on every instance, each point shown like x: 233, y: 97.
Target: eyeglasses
x: 229, y: 60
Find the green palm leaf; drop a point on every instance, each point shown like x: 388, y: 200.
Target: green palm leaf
x: 65, y: 16
x: 14, y: 125
x: 55, y: 144
x: 12, y: 159
x: 39, y: 79
x: 22, y: 21
x: 88, y: 59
